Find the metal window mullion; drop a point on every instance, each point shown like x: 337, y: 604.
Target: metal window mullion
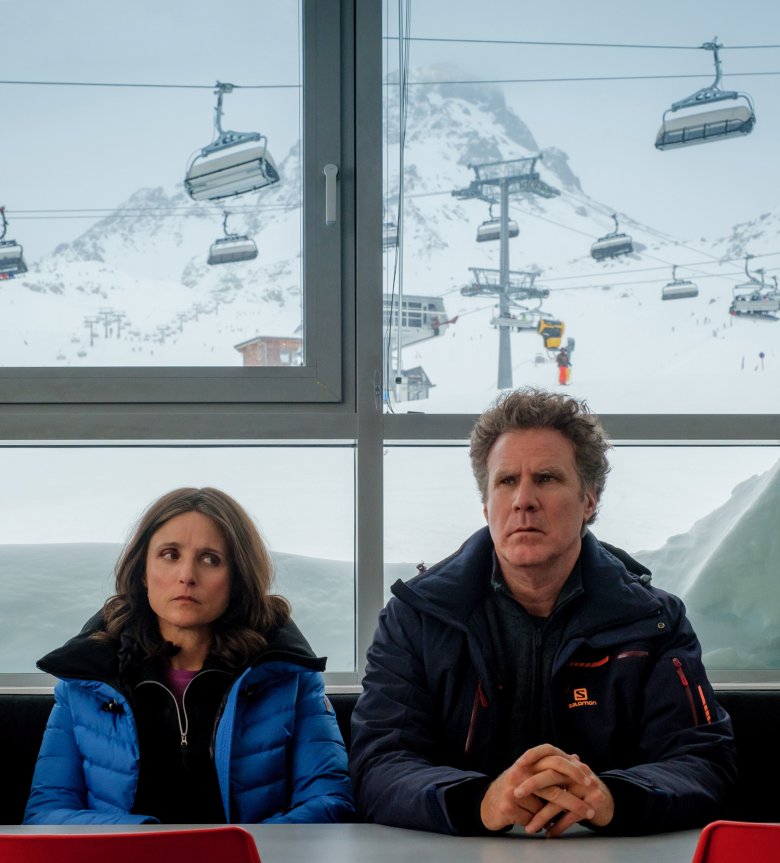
x: 369, y: 526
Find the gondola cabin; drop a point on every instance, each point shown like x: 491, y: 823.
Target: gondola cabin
x: 551, y: 331
x: 491, y: 230
x: 701, y: 127
x: 228, y: 250
x: 423, y: 317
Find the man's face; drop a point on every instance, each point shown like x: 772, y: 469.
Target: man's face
x: 535, y: 507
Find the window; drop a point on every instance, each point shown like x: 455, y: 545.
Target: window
x: 278, y: 397
x: 702, y: 519
x: 524, y: 193
x: 152, y: 262
x: 391, y: 363
x: 75, y: 506
x: 637, y: 256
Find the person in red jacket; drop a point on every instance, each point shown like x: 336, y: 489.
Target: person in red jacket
x: 564, y: 366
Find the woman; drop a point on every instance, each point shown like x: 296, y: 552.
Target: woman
x: 192, y: 697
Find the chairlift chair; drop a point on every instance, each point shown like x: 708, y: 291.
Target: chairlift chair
x: 754, y: 297
x: 679, y: 289
x: 612, y: 245
x: 11, y: 253
x: 231, y: 248
x: 234, y: 163
x: 757, y: 303
x: 491, y: 230
x: 700, y: 127
x: 389, y: 235
x: 525, y: 321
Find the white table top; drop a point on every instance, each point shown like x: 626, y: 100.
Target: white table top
x: 372, y: 843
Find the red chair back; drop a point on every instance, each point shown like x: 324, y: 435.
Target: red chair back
x: 206, y: 845
x: 738, y: 841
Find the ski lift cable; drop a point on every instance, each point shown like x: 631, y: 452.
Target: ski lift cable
x: 736, y: 275
x: 147, y: 85
x: 661, y: 235
x: 608, y: 210
x: 404, y: 13
x: 163, y: 212
x: 466, y: 41
x: 421, y: 83
x: 629, y: 283
x: 645, y: 228
x: 581, y: 78
x: 736, y: 260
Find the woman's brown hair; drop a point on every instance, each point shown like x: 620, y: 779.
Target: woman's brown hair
x: 252, y: 613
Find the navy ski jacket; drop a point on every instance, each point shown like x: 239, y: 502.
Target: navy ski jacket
x: 628, y: 694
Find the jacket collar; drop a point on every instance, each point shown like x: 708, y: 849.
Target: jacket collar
x: 85, y: 657
x: 455, y: 588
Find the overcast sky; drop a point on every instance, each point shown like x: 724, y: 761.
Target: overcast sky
x: 67, y: 147
x: 608, y: 128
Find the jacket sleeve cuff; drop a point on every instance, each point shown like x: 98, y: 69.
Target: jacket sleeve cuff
x: 462, y: 804
x: 631, y: 805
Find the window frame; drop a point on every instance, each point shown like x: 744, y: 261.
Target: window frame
x: 326, y: 138
x: 341, y: 399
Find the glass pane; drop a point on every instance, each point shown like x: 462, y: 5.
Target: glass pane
x: 73, y: 507
x: 702, y: 519
x: 546, y: 123
x: 112, y: 107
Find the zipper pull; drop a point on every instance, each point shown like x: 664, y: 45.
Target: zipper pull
x: 678, y: 667
x: 680, y: 673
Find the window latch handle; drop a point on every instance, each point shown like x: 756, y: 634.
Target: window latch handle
x: 331, y: 172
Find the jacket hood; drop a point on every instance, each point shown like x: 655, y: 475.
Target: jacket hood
x: 85, y: 657
x: 455, y: 587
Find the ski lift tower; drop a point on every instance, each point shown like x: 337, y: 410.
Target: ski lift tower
x: 495, y: 182
x: 518, y: 285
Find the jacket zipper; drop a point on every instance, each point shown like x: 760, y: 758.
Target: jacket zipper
x: 183, y: 728
x: 536, y: 684
x: 480, y: 701
x: 686, y: 688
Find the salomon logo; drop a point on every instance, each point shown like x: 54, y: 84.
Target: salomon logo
x: 581, y: 699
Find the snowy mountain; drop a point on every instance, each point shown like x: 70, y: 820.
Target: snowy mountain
x: 725, y: 569
x: 634, y: 352
x: 147, y: 261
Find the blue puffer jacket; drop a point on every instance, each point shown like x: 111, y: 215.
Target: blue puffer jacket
x: 278, y: 752
x: 628, y: 694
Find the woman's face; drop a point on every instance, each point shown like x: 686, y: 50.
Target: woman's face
x: 188, y: 575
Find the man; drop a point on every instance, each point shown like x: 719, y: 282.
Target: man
x: 534, y: 677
